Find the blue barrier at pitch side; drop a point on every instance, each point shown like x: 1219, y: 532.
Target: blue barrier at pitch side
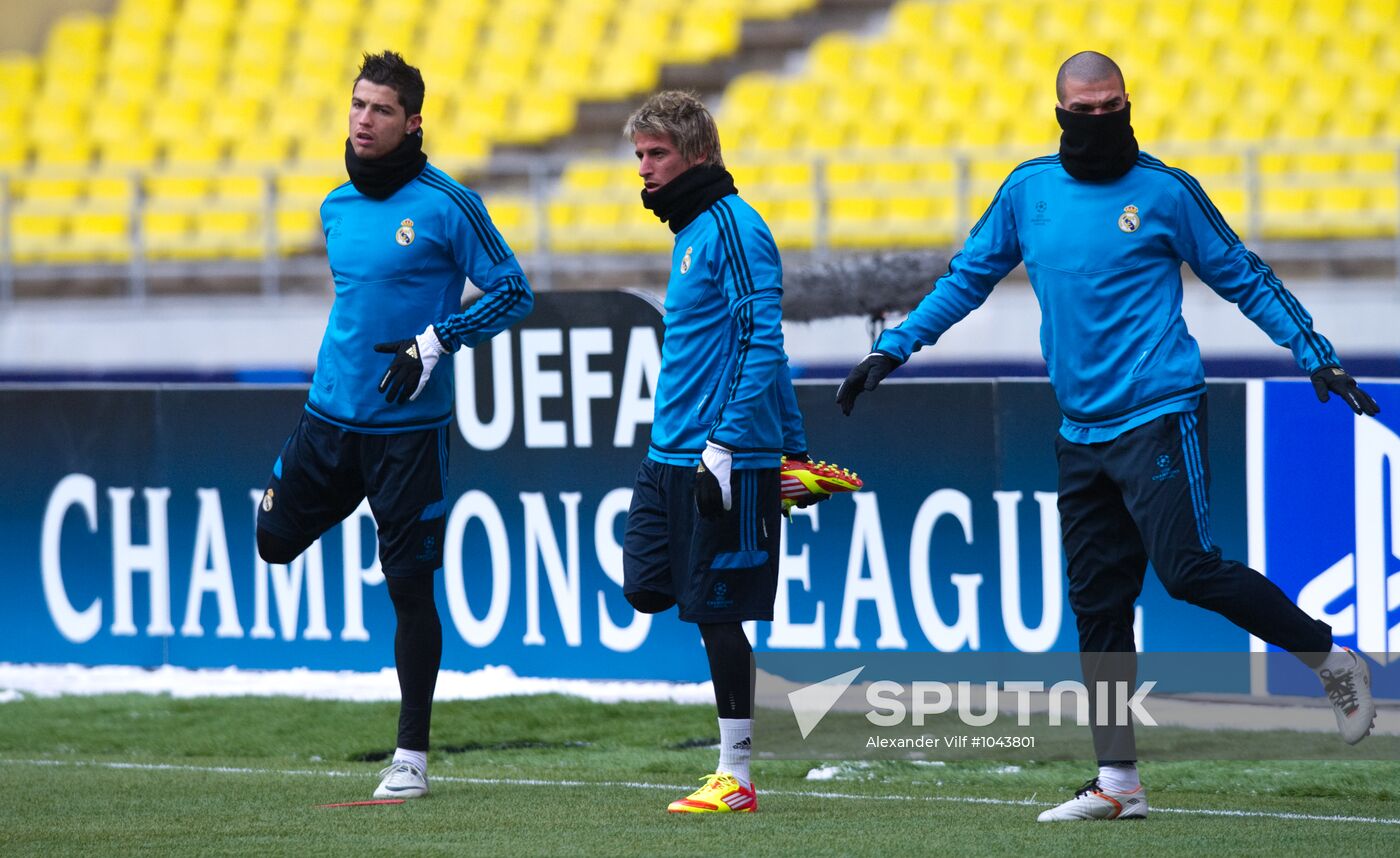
x: 128, y: 520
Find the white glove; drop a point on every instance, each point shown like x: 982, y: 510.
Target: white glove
x: 718, y: 461
x: 413, y: 364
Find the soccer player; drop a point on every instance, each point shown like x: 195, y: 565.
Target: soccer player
x: 1103, y: 230
x: 702, y: 531
x: 402, y: 238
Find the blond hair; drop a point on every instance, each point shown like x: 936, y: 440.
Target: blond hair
x: 680, y: 116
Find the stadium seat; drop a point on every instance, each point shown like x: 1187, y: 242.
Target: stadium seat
x: 185, y: 94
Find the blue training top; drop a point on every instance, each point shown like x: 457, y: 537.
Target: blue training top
x: 724, y: 374
x: 1104, y: 259
x: 399, y: 266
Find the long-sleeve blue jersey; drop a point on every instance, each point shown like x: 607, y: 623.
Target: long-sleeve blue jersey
x: 724, y: 374
x: 400, y: 265
x: 1104, y: 260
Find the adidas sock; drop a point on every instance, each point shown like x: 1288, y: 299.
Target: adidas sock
x: 1337, y: 659
x: 1119, y: 778
x: 417, y: 759
x: 735, y: 748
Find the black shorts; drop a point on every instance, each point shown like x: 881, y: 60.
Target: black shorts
x: 325, y: 471
x: 718, y: 571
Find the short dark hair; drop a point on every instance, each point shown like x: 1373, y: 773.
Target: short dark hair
x: 389, y: 69
x: 1090, y: 66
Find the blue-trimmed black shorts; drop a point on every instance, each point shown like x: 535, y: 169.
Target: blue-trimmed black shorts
x: 717, y: 571
x: 325, y: 471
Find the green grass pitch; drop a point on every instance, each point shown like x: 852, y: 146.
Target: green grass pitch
x: 553, y: 775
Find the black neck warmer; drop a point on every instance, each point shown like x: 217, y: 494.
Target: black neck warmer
x: 1097, y: 147
x: 380, y: 178
x: 687, y: 196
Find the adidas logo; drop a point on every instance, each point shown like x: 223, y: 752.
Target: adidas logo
x: 742, y: 745
x: 413, y: 350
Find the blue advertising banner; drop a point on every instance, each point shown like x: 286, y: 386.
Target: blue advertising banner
x: 128, y: 515
x: 1331, y: 523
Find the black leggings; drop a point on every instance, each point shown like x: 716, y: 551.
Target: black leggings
x: 731, y: 668
x: 417, y: 655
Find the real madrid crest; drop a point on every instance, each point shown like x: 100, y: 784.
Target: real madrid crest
x: 405, y: 233
x: 685, y: 260
x: 1128, y: 221
x: 267, y: 501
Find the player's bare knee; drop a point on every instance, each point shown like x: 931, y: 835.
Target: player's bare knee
x: 650, y: 601
x: 276, y: 549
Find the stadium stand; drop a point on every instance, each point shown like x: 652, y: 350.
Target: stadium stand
x: 182, y: 125
x: 1284, y: 110
x: 211, y: 129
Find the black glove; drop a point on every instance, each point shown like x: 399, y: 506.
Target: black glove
x: 413, y: 363
x: 867, y: 375
x: 1340, y: 382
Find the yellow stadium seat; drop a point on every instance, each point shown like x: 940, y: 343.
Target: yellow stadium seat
x: 37, y: 233
x: 515, y: 218
x: 703, y: 34
x: 235, y: 233
x: 131, y: 152
x: 165, y: 233
x: 1296, y: 125
x: 100, y: 235
x: 236, y: 117
x: 793, y: 223
x: 854, y: 221
x: 1212, y: 164
x: 483, y: 113
x: 590, y: 175
x: 1219, y: 18
x: 61, y: 151
x: 111, y: 189
x: 298, y: 230
x: 788, y: 175
x: 194, y: 151
x: 247, y: 189
x: 114, y: 119
x: 177, y: 187
x: 52, y: 188
x: 260, y: 151
x: 1232, y: 200
x: 175, y: 118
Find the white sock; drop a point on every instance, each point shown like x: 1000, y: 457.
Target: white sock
x: 735, y: 748
x: 1119, y: 778
x: 417, y: 759
x: 1338, y: 659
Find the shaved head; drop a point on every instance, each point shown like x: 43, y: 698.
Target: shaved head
x: 1087, y: 67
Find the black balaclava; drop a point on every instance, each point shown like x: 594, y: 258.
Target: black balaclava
x: 1097, y: 147
x: 687, y: 196
x: 380, y: 178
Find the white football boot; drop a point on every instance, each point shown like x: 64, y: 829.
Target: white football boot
x: 402, y: 780
x: 1349, y: 690
x: 1091, y: 802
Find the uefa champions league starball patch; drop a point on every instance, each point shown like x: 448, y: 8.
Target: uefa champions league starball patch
x: 1128, y: 221
x: 405, y: 233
